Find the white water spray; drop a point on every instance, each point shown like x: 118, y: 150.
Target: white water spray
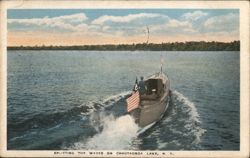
x: 117, y: 134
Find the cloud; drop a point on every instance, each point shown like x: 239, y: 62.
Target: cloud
x: 125, y: 29
x: 126, y: 19
x: 173, y: 26
x: 67, y: 22
x: 228, y: 23
x: 129, y: 25
x: 194, y: 15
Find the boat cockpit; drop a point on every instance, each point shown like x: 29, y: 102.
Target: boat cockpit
x: 154, y: 89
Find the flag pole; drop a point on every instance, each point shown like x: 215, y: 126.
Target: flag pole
x: 161, y: 63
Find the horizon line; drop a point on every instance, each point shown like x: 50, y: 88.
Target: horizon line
x: 43, y: 45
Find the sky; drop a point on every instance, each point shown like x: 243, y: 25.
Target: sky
x: 31, y: 27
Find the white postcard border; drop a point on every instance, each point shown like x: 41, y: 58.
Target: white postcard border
x: 243, y: 6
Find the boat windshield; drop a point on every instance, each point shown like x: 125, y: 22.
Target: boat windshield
x: 154, y: 86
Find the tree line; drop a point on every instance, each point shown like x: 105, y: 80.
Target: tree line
x: 174, y: 46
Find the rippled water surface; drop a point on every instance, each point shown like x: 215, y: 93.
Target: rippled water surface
x: 76, y: 100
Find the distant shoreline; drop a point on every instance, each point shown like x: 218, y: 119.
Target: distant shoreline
x: 175, y: 46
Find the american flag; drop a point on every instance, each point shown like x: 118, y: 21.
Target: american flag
x: 133, y: 101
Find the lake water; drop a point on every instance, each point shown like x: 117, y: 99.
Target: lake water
x: 76, y: 100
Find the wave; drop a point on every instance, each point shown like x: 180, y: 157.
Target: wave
x: 193, y: 111
x: 45, y: 120
x: 55, y: 127
x: 182, y: 125
x: 117, y: 134
x: 193, y: 123
x: 104, y: 103
x: 116, y: 97
x: 18, y: 137
x: 122, y: 133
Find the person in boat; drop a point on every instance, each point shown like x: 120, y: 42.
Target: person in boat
x: 142, y: 87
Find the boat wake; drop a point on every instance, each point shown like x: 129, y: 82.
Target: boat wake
x: 182, y: 126
x: 116, y: 134
x: 46, y: 120
x: 194, y: 121
x: 103, y: 103
x: 71, y: 121
x: 112, y: 131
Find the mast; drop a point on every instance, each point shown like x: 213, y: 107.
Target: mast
x: 161, y: 63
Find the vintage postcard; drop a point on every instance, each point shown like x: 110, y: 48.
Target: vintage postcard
x: 124, y: 78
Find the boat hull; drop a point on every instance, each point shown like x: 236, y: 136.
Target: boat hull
x: 150, y: 111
